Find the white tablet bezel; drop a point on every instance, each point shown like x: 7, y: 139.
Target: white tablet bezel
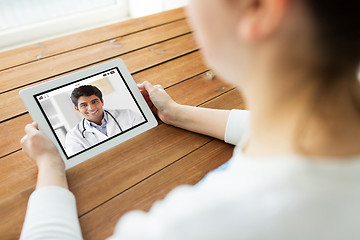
x: 28, y: 97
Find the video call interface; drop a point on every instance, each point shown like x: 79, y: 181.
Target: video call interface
x: 62, y: 117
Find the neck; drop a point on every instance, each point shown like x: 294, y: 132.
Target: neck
x: 299, y: 118
x: 98, y: 121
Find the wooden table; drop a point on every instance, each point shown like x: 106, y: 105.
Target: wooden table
x: 158, y: 48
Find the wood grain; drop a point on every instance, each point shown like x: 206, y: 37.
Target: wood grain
x: 168, y: 73
x: 62, y: 63
x: 188, y: 170
x: 12, y: 212
x: 229, y: 100
x: 135, y: 61
x: 11, y: 132
x: 71, y: 42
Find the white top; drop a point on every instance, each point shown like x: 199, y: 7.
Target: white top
x: 285, y: 197
x: 83, y: 136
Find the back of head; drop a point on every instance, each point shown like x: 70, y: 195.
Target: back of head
x: 85, y: 90
x: 338, y: 33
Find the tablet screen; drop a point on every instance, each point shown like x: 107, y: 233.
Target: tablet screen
x: 89, y: 111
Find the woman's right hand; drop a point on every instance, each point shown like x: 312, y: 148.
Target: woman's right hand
x: 159, y: 101
x: 206, y: 121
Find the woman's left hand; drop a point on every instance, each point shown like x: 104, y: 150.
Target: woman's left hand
x: 46, y: 156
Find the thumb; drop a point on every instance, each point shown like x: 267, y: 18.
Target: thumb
x: 148, y: 86
x: 159, y: 86
x: 31, y: 128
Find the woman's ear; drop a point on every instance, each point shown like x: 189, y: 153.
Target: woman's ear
x: 260, y: 18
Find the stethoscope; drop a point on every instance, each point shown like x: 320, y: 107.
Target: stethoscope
x: 117, y: 123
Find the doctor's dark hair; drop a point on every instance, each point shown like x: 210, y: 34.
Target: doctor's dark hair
x: 85, y: 90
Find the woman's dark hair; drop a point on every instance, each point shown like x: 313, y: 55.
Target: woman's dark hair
x: 85, y: 90
x: 338, y: 27
x: 336, y: 24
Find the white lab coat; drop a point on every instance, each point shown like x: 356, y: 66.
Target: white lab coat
x: 80, y: 138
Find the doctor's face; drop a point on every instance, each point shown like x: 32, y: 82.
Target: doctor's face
x: 91, y: 107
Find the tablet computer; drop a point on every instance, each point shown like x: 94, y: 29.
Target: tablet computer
x: 90, y: 111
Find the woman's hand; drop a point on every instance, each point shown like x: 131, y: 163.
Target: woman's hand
x: 206, y: 121
x: 47, y: 158
x: 159, y: 102
x: 38, y: 147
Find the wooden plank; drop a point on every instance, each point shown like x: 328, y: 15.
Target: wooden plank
x: 159, y: 53
x: 11, y: 132
x: 100, y: 223
x: 17, y: 173
x: 227, y: 101
x: 12, y: 212
x: 10, y: 143
x: 9, y: 182
x: 62, y: 63
x: 198, y: 89
x: 136, y: 61
x: 52, y: 47
x: 168, y: 73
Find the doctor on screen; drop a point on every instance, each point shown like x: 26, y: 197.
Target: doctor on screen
x: 98, y: 123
